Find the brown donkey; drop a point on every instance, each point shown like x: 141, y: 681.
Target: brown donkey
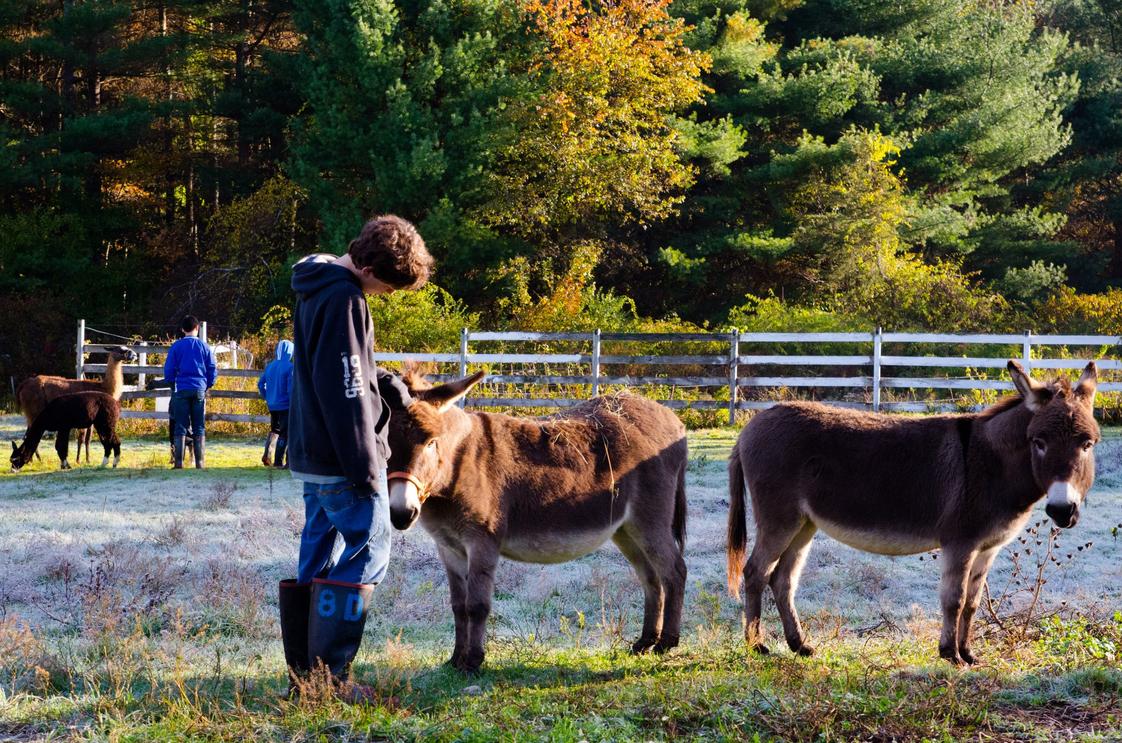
x: 898, y: 486
x: 542, y: 490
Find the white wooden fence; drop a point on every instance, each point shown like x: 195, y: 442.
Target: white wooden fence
x: 861, y: 376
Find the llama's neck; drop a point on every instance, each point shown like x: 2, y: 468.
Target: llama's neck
x: 34, y: 434
x: 114, y: 377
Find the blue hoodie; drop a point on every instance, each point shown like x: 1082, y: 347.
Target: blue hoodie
x: 275, y: 383
x: 191, y: 365
x: 340, y: 398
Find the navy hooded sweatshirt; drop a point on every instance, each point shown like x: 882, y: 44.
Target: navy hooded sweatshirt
x: 338, y: 418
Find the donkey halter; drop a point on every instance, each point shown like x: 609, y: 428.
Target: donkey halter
x: 422, y: 488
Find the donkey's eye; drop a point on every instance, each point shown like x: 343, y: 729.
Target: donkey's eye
x: 431, y: 444
x: 1039, y: 445
x: 1088, y: 445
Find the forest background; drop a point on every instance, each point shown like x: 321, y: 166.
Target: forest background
x: 948, y: 165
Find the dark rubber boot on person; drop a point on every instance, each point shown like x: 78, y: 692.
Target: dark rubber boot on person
x: 294, y: 599
x: 177, y: 452
x: 280, y: 456
x: 336, y: 617
x: 199, y: 445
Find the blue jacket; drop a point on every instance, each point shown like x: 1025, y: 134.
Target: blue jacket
x: 275, y: 383
x: 191, y: 365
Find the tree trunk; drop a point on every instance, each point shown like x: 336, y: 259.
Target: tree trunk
x: 169, y: 174
x: 1116, y: 258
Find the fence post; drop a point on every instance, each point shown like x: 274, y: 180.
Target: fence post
x: 463, y: 360
x: 1026, y: 351
x: 202, y: 331
x: 233, y: 354
x: 734, y: 367
x: 142, y: 359
x: 78, y: 373
x: 596, y: 363
x: 876, y: 369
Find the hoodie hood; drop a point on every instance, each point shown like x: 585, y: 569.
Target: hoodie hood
x: 284, y: 351
x: 317, y: 271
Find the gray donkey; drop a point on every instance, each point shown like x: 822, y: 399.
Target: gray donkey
x: 899, y: 486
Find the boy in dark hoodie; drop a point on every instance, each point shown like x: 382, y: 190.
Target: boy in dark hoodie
x: 275, y: 385
x: 337, y: 443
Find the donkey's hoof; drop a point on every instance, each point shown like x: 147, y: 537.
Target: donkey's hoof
x: 760, y: 649
x: 805, y: 650
x: 967, y: 656
x: 469, y: 662
x: 951, y: 656
x: 665, y: 644
x: 642, y: 645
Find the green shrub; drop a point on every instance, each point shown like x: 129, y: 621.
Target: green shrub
x: 429, y: 319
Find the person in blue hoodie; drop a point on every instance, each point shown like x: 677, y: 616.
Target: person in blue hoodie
x: 337, y: 445
x: 192, y: 368
x: 275, y: 385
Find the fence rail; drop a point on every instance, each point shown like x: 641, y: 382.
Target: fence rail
x: 858, y: 372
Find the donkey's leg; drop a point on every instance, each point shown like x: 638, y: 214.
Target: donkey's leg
x: 772, y: 541
x: 785, y: 582
x: 652, y: 591
x: 978, y: 573
x: 668, y: 562
x: 483, y: 556
x: 456, y: 565
x: 957, y: 563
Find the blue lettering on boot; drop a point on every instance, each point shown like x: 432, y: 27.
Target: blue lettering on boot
x: 353, y: 611
x: 326, y: 606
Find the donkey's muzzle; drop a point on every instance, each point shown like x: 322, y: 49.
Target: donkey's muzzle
x: 405, y: 501
x: 403, y: 518
x: 1065, y: 515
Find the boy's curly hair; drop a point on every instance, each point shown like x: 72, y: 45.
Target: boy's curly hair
x: 393, y: 250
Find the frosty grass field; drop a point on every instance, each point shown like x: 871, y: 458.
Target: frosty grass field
x: 140, y: 604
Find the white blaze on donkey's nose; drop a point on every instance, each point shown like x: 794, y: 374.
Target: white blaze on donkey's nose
x: 403, y: 495
x: 1063, y: 494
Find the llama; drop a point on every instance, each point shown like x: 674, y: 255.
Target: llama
x: 76, y: 410
x: 34, y: 393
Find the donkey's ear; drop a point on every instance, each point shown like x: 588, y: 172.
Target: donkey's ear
x: 1035, y: 394
x: 1088, y: 382
x: 447, y: 395
x: 14, y: 447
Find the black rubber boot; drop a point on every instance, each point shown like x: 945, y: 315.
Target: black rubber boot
x: 281, y: 451
x: 336, y: 617
x: 177, y: 452
x: 294, y: 599
x: 199, y: 445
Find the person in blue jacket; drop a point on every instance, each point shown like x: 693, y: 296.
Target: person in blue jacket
x: 275, y: 385
x: 192, y: 368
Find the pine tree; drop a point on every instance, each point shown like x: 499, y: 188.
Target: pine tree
x: 971, y: 92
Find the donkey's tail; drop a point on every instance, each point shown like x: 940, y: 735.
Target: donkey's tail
x: 679, y: 523
x: 737, y: 529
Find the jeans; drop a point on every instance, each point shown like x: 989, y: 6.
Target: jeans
x: 189, y: 407
x: 346, y: 535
